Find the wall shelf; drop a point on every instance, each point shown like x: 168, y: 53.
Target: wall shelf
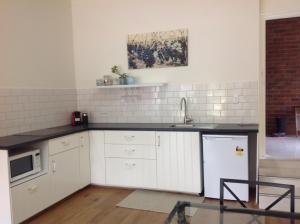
x: 132, y: 86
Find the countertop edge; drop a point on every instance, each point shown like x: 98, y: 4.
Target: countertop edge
x: 93, y: 127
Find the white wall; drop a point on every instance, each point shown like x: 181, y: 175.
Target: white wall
x: 36, y: 49
x: 270, y: 9
x: 223, y: 38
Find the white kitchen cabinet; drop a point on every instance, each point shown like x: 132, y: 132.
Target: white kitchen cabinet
x: 84, y: 155
x: 178, y: 161
x: 130, y: 158
x: 30, y: 198
x: 139, y: 173
x: 65, y: 173
x: 69, y: 171
x: 97, y: 157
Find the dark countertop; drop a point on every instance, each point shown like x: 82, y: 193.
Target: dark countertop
x: 26, y: 138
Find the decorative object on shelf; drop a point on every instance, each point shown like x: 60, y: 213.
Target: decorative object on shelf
x: 99, y: 82
x: 130, y: 80
x: 158, y: 49
x: 116, y: 81
x: 122, y: 76
x: 108, y: 80
x: 132, y: 86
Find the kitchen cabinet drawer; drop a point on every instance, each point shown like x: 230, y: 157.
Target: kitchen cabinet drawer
x: 130, y: 137
x: 30, y: 198
x: 131, y: 172
x: 62, y: 144
x: 130, y: 151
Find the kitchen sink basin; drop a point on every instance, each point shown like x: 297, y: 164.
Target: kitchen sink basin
x: 207, y: 126
x: 202, y: 126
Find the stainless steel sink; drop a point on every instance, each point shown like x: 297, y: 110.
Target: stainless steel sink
x: 202, y: 126
x: 207, y: 126
x: 182, y: 126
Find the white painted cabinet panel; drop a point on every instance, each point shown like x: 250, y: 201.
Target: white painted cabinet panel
x: 140, y: 173
x: 85, y: 168
x: 30, y: 198
x: 97, y: 157
x: 178, y: 161
x: 65, y: 173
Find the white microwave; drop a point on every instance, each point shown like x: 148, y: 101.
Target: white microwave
x: 25, y: 164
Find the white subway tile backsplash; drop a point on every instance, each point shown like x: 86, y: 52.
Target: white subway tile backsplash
x: 207, y: 103
x: 30, y: 109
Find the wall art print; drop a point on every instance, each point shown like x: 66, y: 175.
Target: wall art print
x: 158, y: 49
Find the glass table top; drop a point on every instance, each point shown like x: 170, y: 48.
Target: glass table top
x: 191, y: 213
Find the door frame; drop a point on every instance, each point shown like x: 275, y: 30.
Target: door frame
x: 262, y: 77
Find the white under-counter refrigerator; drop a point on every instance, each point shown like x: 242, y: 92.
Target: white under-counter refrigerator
x: 225, y: 156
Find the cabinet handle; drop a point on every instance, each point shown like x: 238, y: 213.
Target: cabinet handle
x: 130, y: 165
x: 65, y: 143
x: 129, y: 150
x: 158, y: 141
x: 53, y: 166
x: 129, y: 138
x: 32, y: 188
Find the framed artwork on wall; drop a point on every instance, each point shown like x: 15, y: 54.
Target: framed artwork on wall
x: 158, y: 49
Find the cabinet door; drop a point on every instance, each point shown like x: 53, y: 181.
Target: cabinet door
x: 97, y: 157
x: 85, y: 169
x: 65, y: 174
x: 178, y: 161
x: 30, y: 198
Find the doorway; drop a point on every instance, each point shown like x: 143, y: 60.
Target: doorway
x: 283, y: 88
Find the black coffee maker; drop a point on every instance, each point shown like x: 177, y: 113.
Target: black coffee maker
x: 85, y: 119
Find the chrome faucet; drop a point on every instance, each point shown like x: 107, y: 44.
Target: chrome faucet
x: 187, y: 119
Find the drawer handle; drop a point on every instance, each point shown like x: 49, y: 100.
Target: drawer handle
x: 130, y: 150
x: 129, y: 138
x: 53, y: 166
x: 65, y: 143
x: 130, y: 165
x: 32, y: 189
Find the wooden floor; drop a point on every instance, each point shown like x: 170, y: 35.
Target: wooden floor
x: 98, y: 205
